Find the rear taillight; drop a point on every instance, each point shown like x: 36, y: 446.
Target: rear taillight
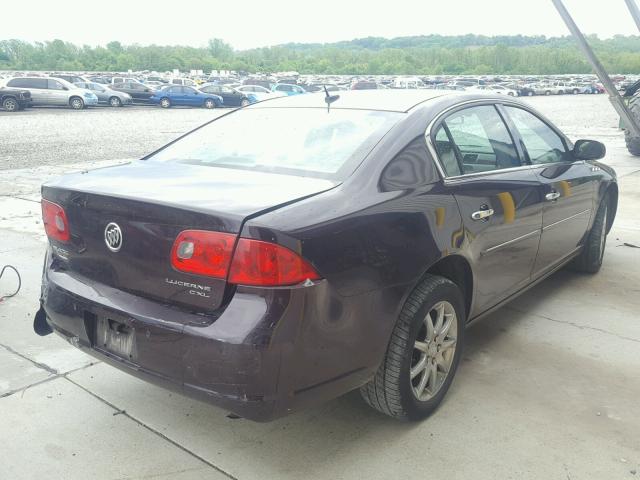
x: 254, y: 262
x: 268, y: 264
x: 55, y: 221
x: 203, y: 253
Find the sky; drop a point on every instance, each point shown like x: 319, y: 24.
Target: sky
x: 249, y: 23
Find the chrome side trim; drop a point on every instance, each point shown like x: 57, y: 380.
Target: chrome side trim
x: 551, y: 225
x: 511, y: 242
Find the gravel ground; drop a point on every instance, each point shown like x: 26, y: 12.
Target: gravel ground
x: 54, y: 136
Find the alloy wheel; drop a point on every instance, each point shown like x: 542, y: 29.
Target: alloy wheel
x: 10, y: 105
x: 433, y: 351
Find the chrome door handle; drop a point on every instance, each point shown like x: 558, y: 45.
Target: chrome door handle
x: 552, y: 196
x: 482, y: 214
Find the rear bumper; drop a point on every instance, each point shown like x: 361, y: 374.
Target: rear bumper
x: 261, y: 358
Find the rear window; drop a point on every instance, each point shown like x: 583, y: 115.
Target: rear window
x: 294, y: 141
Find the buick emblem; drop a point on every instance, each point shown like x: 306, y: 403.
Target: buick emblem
x: 113, y: 237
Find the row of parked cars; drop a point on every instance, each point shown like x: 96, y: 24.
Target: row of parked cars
x: 81, y: 92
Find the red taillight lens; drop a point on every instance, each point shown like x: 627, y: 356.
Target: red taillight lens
x: 55, y: 221
x: 268, y: 264
x: 203, y: 253
x: 254, y: 262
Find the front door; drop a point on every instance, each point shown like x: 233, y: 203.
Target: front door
x: 568, y: 188
x: 498, y: 197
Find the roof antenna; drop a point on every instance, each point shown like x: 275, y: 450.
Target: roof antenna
x: 329, y: 99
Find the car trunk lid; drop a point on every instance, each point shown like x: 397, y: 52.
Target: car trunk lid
x: 151, y: 206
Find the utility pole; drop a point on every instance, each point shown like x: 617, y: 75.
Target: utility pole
x: 614, y: 96
x: 635, y: 12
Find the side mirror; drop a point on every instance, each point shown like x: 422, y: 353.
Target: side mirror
x: 589, y: 150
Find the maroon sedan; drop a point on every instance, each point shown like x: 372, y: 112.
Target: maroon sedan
x: 291, y: 251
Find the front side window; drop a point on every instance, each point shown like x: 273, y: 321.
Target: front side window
x: 54, y: 85
x: 294, y: 141
x: 542, y: 143
x: 480, y: 140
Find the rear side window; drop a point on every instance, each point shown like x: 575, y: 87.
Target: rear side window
x: 28, y: 83
x: 542, y: 143
x: 480, y: 140
x: 447, y: 153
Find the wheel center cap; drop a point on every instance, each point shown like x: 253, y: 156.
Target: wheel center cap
x: 433, y: 349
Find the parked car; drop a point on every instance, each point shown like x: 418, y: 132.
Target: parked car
x: 54, y: 91
x: 288, y: 89
x: 155, y: 84
x: 100, y: 79
x: 230, y: 97
x: 364, y: 85
x: 14, y: 99
x: 175, y: 95
x: 270, y: 268
x: 139, y: 92
x: 106, y: 95
x: 547, y: 89
x: 182, y: 81
x: 259, y: 92
x: 495, y: 89
x: 70, y: 78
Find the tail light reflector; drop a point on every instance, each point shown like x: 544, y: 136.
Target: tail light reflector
x: 55, y: 221
x: 254, y: 262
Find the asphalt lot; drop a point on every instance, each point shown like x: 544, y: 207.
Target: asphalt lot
x: 548, y: 387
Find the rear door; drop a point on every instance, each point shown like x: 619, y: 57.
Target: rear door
x: 568, y: 188
x: 498, y: 195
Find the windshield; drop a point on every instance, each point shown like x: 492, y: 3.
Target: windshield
x: 295, y: 141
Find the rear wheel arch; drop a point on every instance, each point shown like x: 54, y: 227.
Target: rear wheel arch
x: 457, y: 269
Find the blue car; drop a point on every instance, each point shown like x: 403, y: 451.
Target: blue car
x: 185, y: 96
x: 288, y: 89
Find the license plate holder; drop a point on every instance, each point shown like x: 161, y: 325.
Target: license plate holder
x: 117, y: 337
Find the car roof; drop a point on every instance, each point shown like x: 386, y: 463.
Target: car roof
x: 383, y: 100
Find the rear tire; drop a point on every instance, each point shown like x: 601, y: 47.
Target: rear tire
x: 548, y: 92
x: 590, y: 259
x: 165, y: 103
x: 209, y: 103
x: 244, y: 102
x: 115, y: 102
x: 633, y: 142
x: 76, y: 103
x: 10, y: 104
x: 420, y: 363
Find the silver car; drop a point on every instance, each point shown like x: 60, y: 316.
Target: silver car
x: 54, y: 91
x: 106, y: 96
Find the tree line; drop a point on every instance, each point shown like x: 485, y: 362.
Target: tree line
x: 420, y: 55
